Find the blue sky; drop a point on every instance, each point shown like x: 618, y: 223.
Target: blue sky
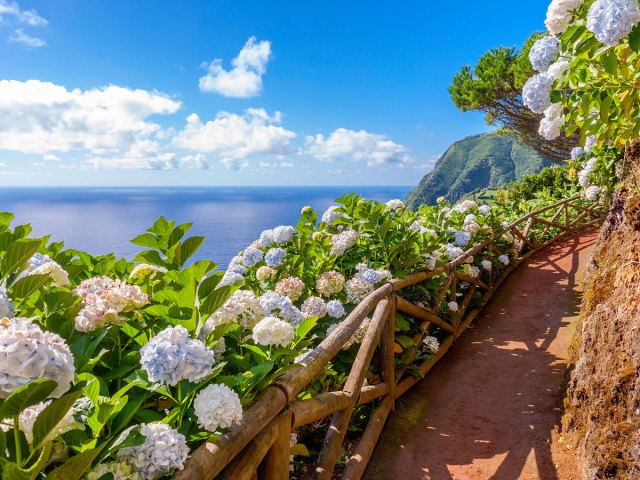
x: 320, y: 93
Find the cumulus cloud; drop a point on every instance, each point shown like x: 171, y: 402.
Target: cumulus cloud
x: 22, y: 38
x: 28, y: 17
x: 42, y: 117
x: 244, y: 80
x: 235, y: 137
x: 197, y: 161
x: 48, y: 157
x: 344, y: 144
x: 142, y: 155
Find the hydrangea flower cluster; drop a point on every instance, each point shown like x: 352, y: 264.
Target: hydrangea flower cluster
x: 291, y: 287
x: 145, y: 270
x: 504, y: 259
x: 173, y: 355
x: 465, y: 206
x: 314, y: 307
x: 231, y: 278
x: 560, y: 14
x: 612, y: 20
x: 251, y: 255
x: 163, y: 450
x: 217, y: 406
x: 462, y: 239
x: 584, y: 174
x: 275, y: 257
x: 453, y: 306
x: 119, y: 470
x: 394, y: 205
x: 357, y: 288
x: 431, y: 343
x: 590, y: 143
x: 272, y: 331
x: 28, y: 353
x: 486, y: 265
x: 40, y: 264
x: 242, y: 307
x: 431, y: 259
x: 335, y: 309
x: 485, y: 209
x: 28, y: 416
x: 552, y: 122
x: 104, y: 300
x: 452, y: 252
x: 278, y: 235
x: 536, y: 93
x: 265, y: 273
x: 272, y: 302
x: 592, y: 193
x: 544, y: 52
x: 330, y: 283
x: 343, y: 241
x: 331, y: 215
x: 576, y: 153
x: 6, y: 307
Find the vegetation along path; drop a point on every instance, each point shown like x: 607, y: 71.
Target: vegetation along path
x: 491, y: 409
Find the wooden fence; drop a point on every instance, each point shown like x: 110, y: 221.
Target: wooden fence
x: 258, y: 447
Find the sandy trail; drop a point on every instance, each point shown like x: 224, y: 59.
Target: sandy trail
x: 491, y: 409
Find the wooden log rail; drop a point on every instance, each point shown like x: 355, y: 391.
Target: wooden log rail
x: 258, y: 446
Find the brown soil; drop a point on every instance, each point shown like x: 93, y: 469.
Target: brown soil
x: 492, y: 408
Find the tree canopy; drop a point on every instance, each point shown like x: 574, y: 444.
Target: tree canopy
x: 494, y: 86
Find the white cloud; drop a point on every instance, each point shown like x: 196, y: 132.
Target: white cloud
x: 48, y: 157
x: 244, y: 80
x: 22, y: 38
x: 28, y: 17
x: 142, y: 155
x: 344, y: 144
x: 41, y: 117
x: 197, y: 161
x: 235, y: 137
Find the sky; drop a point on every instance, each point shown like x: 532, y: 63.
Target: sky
x: 204, y: 92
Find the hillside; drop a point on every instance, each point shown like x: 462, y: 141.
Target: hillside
x: 481, y: 161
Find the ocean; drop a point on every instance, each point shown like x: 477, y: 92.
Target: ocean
x: 101, y: 220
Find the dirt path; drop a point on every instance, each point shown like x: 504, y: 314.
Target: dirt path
x: 491, y: 408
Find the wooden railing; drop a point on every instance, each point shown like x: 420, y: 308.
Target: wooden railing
x: 258, y: 447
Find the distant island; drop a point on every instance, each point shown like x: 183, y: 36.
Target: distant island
x: 485, y: 161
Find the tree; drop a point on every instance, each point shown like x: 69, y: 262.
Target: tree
x: 494, y: 86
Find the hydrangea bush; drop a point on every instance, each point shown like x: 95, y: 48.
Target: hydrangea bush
x: 118, y: 369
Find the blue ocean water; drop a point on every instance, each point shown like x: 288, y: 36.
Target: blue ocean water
x: 102, y: 220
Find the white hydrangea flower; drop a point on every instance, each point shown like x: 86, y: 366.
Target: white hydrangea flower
x: 560, y: 14
x: 552, y: 122
x: 28, y: 416
x: 6, y: 307
x: 145, y: 270
x: 265, y: 273
x: 536, y: 93
x: 40, y: 264
x: 119, y: 470
x: 173, y: 355
x: 453, y: 306
x: 330, y: 283
x: 487, y: 265
x: 484, y: 209
x: 394, y: 205
x: 217, y: 406
x: 431, y: 343
x: 331, y: 215
x: 343, y: 241
x: 271, y: 301
x: 592, y: 193
x: 231, y: 278
x: 453, y: 252
x: 283, y: 234
x: 335, y: 309
x: 28, y: 353
x: 314, y: 307
x: 243, y: 307
x: 163, y: 450
x: 273, y: 331
x: 465, y: 206
x: 291, y: 287
x: 557, y: 69
x: 612, y: 20
x: 104, y: 300
x: 504, y: 259
x: 544, y: 52
x: 576, y: 153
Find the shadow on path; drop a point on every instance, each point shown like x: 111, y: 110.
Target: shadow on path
x: 491, y: 408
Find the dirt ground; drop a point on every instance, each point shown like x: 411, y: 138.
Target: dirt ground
x: 492, y: 408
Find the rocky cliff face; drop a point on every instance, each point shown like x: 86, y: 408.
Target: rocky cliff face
x: 603, y: 396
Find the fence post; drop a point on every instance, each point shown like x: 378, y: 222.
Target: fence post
x: 275, y: 465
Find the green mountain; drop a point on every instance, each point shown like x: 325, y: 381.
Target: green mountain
x: 486, y: 161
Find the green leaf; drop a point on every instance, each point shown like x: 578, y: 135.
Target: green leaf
x: 150, y: 256
x: 186, y: 250
x: 75, y: 467
x: 209, y: 284
x: 214, y: 301
x: 634, y: 39
x: 17, y: 254
x: 26, y: 396
x: 305, y: 327
x: 25, y: 286
x: 6, y: 218
x: 147, y: 240
x: 51, y: 416
x: 131, y: 437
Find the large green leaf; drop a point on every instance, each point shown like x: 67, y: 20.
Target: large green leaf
x: 75, y: 467
x: 51, y: 416
x: 215, y: 300
x: 25, y: 286
x: 17, y: 254
x: 26, y: 396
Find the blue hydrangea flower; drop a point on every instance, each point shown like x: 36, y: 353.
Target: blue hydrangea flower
x: 275, y: 257
x: 251, y: 256
x: 335, y: 309
x: 371, y: 276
